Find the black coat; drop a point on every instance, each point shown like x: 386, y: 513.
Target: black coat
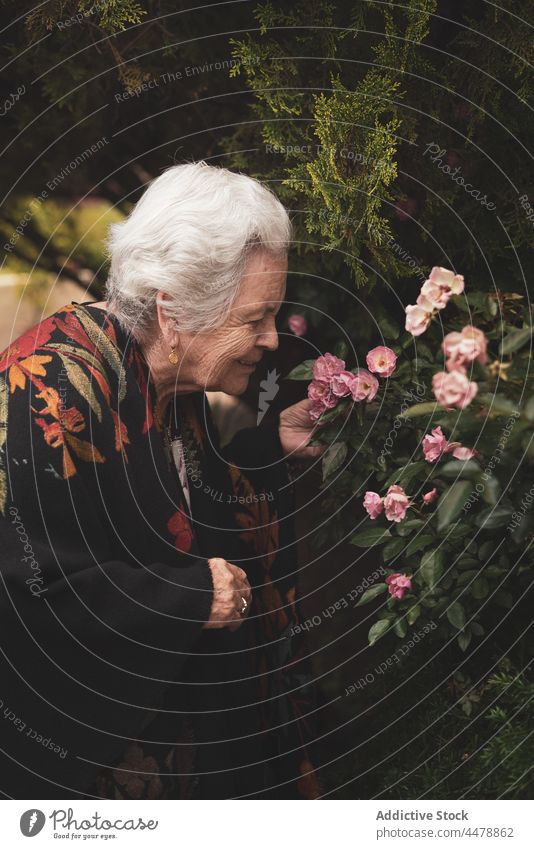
x: 109, y: 685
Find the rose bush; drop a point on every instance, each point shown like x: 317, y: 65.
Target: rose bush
x: 429, y: 458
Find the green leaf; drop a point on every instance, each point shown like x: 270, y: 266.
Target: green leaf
x: 403, y: 372
x: 390, y: 615
x: 333, y: 458
x: 477, y: 300
x: 388, y: 327
x: 468, y: 469
x: 413, y: 614
x: 370, y: 537
x: 486, y: 550
x: 491, y: 307
x: 493, y: 517
x: 515, y: 340
x: 378, y: 630
x: 401, y: 627
x: 522, y: 530
x: 480, y: 588
x: 527, y: 444
x: 406, y: 340
x: 464, y: 639
x: 431, y: 568
x: 404, y: 475
x: 458, y: 532
x: 503, y: 598
x: 467, y: 706
x: 467, y: 562
x: 528, y: 410
x: 456, y: 615
x: 405, y: 528
x: 451, y: 502
x: 499, y: 405
x: 494, y: 571
x: 459, y: 301
x: 304, y: 371
x: 330, y: 415
x: 466, y: 577
x: 419, y: 542
x: 492, y: 491
x: 392, y: 548
x: 371, y: 594
x: 341, y: 350
x: 422, y: 350
x: 425, y: 409
x: 428, y: 602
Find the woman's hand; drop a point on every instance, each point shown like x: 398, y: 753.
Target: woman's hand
x: 230, y: 587
x: 296, y: 430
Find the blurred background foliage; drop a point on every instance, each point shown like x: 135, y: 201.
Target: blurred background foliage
x: 361, y: 116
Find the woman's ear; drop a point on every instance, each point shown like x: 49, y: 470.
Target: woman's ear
x: 166, y: 325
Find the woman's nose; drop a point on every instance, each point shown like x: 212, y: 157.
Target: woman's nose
x: 268, y: 340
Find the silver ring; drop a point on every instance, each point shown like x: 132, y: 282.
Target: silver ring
x: 245, y: 606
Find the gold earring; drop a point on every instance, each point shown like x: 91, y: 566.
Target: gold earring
x: 173, y: 356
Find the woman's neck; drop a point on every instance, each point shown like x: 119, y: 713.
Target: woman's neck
x: 169, y: 379
x: 165, y: 375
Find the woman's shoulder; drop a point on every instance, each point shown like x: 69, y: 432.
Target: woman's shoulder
x: 76, y: 325
x: 76, y: 339
x: 61, y: 383
x: 61, y: 373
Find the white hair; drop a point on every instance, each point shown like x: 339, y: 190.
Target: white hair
x: 190, y: 236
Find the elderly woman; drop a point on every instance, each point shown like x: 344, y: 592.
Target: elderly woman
x: 149, y: 620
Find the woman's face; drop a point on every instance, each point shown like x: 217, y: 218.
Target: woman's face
x: 223, y: 359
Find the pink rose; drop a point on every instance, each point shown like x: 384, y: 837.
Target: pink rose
x: 298, y: 325
x: 462, y: 453
x: 431, y: 496
x: 382, y: 361
x: 321, y: 393
x: 417, y: 318
x: 432, y: 292
x: 398, y: 584
x: 434, y: 445
x: 396, y: 503
x: 453, y: 389
x: 316, y: 410
x: 462, y: 348
x: 448, y: 279
x: 322, y: 397
x: 364, y: 385
x: 451, y: 345
x: 373, y: 504
x: 479, y: 342
x: 326, y: 367
x: 434, y: 295
x: 341, y: 384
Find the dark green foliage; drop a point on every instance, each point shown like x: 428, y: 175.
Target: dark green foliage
x: 344, y: 139
x: 441, y: 735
